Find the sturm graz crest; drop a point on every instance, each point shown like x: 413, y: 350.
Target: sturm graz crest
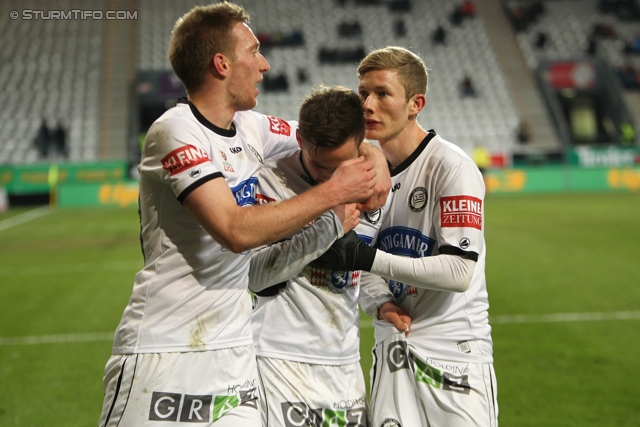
x: 373, y: 217
x: 390, y: 422
x: 418, y: 199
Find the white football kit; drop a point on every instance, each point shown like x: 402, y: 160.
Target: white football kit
x: 442, y: 374
x: 192, y: 294
x: 307, y: 336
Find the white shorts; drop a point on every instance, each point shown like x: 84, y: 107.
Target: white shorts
x: 407, y: 391
x: 214, y: 388
x: 304, y: 394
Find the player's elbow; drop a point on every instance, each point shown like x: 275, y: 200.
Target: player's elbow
x: 462, y: 285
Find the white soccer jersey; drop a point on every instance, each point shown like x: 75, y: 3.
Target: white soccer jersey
x: 315, y: 318
x: 437, y: 208
x: 192, y: 294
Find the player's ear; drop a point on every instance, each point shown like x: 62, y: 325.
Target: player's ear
x: 219, y: 65
x: 417, y: 103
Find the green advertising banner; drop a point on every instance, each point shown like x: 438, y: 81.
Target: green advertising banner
x: 562, y: 178
x: 123, y: 194
x: 31, y: 179
x: 609, y: 156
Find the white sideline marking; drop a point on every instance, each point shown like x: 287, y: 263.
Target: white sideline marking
x: 551, y: 318
x: 24, y: 217
x: 366, y: 324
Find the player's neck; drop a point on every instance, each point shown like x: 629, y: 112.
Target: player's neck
x: 214, y: 109
x: 399, y: 148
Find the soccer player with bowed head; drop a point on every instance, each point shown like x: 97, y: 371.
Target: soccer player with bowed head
x: 306, y: 329
x: 183, y: 351
x: 431, y: 252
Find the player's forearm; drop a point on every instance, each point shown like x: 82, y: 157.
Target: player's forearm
x: 440, y: 272
x: 284, y: 260
x: 264, y: 224
x: 373, y: 293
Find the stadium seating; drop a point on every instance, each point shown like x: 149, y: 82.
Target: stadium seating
x: 56, y: 69
x: 488, y: 118
x: 55, y: 73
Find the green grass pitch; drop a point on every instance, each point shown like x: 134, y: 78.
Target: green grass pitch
x: 67, y: 275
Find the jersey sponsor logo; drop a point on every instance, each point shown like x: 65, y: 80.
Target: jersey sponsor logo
x: 235, y: 150
x: 405, y: 241
x: 418, y: 199
x: 297, y: 414
x: 465, y: 242
x: 183, y: 158
x: 245, y: 192
x: 255, y: 153
x: 397, y: 356
x: 441, y: 380
x: 190, y: 408
x: 279, y: 126
x: 373, y: 217
x: 461, y: 211
x: 166, y: 407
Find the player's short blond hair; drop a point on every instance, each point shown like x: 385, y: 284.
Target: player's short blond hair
x: 412, y: 73
x: 200, y: 34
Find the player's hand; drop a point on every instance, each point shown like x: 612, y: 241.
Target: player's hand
x: 383, y: 178
x: 349, y: 216
x: 394, y: 314
x: 349, y: 253
x: 354, y: 180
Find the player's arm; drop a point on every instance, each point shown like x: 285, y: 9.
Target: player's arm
x: 279, y: 262
x: 383, y: 177
x: 241, y: 228
x: 445, y: 272
x: 377, y: 300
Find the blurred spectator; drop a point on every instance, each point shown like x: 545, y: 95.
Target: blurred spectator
x: 482, y: 157
x: 399, y: 28
x: 592, y: 46
x: 43, y: 139
x: 633, y: 46
x: 59, y: 139
x: 335, y: 56
x: 603, y: 31
x: 468, y: 9
x: 349, y: 29
x: 629, y: 76
x: 541, y: 40
x: 466, y: 87
x: 400, y: 5
x: 302, y: 75
x: 521, y: 17
x: 277, y: 83
x: 627, y: 133
x: 523, y: 133
x: 439, y: 35
x: 456, y: 16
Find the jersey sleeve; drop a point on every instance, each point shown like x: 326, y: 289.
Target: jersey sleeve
x: 174, y: 154
x: 374, y: 292
x: 459, y: 211
x: 284, y: 260
x: 279, y: 136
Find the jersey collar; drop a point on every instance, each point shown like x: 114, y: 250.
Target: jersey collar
x: 206, y: 123
x: 407, y: 162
